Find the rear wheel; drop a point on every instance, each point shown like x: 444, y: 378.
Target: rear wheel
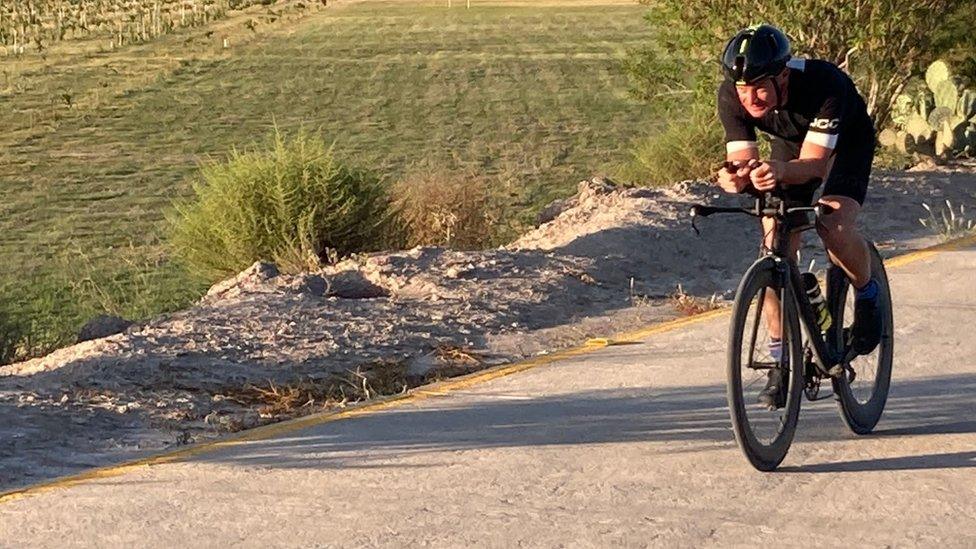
x: 764, y: 435
x: 863, y: 390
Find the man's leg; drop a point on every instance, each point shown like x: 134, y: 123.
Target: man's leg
x: 849, y: 250
x: 845, y: 245
x: 771, y: 308
x: 845, y: 190
x: 773, y: 394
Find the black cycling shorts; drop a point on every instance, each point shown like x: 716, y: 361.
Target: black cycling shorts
x: 848, y: 176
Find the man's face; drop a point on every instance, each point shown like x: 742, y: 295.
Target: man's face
x: 757, y: 98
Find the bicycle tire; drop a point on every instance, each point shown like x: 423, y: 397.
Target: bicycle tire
x: 763, y: 456
x: 862, y: 417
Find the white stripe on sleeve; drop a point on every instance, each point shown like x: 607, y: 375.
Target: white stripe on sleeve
x: 826, y: 140
x: 736, y: 146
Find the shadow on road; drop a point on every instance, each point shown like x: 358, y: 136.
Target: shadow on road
x: 954, y: 460
x: 930, y: 406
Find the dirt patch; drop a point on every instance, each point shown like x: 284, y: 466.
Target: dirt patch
x: 264, y: 346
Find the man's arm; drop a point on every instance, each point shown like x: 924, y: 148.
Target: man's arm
x: 816, y: 152
x: 813, y: 163
x: 740, y: 143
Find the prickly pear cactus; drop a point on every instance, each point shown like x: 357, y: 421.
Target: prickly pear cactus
x: 925, y: 103
x: 918, y: 127
x: 940, y: 120
x: 888, y: 137
x: 903, y: 108
x: 944, y: 140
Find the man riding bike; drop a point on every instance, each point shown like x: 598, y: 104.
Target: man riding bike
x: 821, y: 133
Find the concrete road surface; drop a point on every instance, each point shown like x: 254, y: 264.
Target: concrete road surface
x: 629, y: 445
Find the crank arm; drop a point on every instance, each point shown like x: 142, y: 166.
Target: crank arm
x: 845, y: 365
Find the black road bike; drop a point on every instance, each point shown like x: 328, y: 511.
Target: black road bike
x: 811, y: 356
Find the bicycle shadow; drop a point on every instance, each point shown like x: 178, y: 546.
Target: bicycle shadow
x: 923, y: 407
x: 956, y: 460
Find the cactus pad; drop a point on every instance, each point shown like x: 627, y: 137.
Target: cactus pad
x: 946, y: 95
x: 937, y: 73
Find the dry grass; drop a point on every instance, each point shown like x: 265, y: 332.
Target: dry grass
x: 277, y: 401
x: 453, y: 361
x: 948, y: 224
x: 458, y: 355
x: 437, y: 207
x: 304, y: 396
x: 636, y: 299
x: 689, y: 305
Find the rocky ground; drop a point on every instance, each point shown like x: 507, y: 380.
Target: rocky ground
x: 264, y: 346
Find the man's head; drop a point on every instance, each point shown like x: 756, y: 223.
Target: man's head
x: 755, y: 61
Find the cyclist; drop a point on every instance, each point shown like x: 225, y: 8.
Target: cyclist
x: 821, y: 133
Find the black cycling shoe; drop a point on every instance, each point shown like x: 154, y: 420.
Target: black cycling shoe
x: 866, y: 331
x: 773, y: 395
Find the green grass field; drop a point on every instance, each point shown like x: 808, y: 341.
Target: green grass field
x: 528, y: 94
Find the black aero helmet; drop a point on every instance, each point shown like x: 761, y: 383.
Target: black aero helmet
x: 755, y: 53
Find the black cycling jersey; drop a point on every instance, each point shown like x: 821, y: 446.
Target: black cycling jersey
x: 823, y: 107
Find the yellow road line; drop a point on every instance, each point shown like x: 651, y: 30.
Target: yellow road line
x: 438, y: 389
x: 924, y: 253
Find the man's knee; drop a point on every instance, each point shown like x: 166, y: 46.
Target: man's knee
x: 838, y: 225
x: 829, y: 227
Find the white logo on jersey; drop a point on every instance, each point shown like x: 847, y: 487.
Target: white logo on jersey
x: 825, y: 123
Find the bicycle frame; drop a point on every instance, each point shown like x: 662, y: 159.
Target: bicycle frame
x: 787, y: 271
x: 824, y: 356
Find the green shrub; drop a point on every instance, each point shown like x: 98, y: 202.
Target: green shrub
x: 11, y: 336
x: 133, y: 282
x: 294, y: 205
x: 689, y: 146
x: 32, y: 319
x: 45, y: 308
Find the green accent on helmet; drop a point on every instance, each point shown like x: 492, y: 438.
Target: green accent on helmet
x: 743, y: 46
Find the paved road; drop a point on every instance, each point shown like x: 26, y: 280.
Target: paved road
x: 629, y: 445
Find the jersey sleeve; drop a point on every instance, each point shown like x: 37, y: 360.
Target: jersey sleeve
x: 830, y: 117
x: 740, y: 133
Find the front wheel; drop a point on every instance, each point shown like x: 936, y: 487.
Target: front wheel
x: 862, y: 391
x: 764, y: 435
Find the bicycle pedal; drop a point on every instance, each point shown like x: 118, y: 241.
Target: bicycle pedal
x: 841, y: 369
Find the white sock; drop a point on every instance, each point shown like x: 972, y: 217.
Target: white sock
x: 776, y: 349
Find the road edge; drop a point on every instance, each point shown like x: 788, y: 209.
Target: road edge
x: 419, y: 393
